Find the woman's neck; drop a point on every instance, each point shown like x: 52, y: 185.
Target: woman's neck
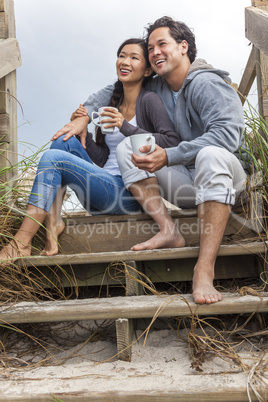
x: 128, y: 105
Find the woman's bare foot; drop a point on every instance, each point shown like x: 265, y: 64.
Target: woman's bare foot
x: 53, y: 230
x: 203, y: 290
x: 13, y: 251
x: 161, y: 240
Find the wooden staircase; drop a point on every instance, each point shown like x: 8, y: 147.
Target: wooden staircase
x: 91, y: 243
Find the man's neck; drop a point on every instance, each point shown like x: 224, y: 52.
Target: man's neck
x: 176, y: 79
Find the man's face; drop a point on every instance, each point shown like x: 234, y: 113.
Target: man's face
x: 165, y: 54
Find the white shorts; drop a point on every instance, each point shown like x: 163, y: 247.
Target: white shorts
x: 217, y: 176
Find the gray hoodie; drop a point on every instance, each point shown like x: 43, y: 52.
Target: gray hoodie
x: 208, y: 111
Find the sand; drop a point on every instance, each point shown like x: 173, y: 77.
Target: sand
x: 87, y: 370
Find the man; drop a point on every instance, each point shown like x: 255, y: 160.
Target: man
x: 208, y: 116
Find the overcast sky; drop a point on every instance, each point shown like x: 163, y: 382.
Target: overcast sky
x: 68, y: 49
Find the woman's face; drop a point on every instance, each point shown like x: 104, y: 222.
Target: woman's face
x: 131, y: 65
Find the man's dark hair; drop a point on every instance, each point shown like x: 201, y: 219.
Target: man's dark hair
x: 178, y: 30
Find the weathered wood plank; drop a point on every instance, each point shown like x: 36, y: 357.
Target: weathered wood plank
x: 91, y: 235
x: 256, y: 27
x: 8, y: 105
x: 195, y: 390
x: 248, y: 77
x: 135, y: 217
x: 168, y: 271
x: 257, y: 247
x: 7, y: 17
x: 3, y: 25
x: 133, y: 287
x: 193, y: 394
x: 129, y: 307
x: 124, y: 336
x: 4, y: 127
x: 172, y: 271
x: 263, y: 87
x: 10, y: 57
x: 259, y: 3
x: 4, y: 5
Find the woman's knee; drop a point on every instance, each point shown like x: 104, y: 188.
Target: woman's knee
x: 48, y: 158
x: 59, y: 143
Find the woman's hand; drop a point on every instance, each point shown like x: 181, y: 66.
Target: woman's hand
x: 80, y: 112
x: 112, y: 118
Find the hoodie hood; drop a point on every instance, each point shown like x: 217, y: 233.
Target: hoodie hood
x: 200, y: 66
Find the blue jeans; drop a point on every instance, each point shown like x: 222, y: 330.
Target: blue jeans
x: 67, y: 163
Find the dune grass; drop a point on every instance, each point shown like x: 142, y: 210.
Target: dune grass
x: 256, y: 150
x: 22, y: 282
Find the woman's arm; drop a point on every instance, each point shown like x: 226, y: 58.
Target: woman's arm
x: 79, y: 125
x: 153, y: 118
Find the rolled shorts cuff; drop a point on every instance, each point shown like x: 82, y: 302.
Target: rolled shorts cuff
x: 222, y: 195
x: 134, y: 175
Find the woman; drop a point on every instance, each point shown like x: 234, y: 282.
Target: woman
x: 100, y: 189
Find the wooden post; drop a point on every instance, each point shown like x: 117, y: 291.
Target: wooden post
x: 11, y: 59
x: 133, y: 287
x: 248, y: 76
x: 124, y: 326
x: 124, y: 335
x: 258, y: 35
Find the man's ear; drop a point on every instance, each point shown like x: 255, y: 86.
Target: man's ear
x: 148, y: 72
x: 184, y: 46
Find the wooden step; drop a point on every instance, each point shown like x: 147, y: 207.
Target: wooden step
x: 246, y: 248
x: 129, y: 307
x: 227, y: 387
x: 105, y: 233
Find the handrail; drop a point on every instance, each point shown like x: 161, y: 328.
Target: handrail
x: 256, y: 30
x: 256, y: 27
x: 10, y: 60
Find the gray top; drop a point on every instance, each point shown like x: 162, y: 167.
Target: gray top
x: 151, y: 116
x: 208, y: 111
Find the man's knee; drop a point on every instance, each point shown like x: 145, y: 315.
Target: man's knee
x: 210, y: 156
x: 219, y: 175
x: 124, y: 152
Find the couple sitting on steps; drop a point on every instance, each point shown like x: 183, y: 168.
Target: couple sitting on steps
x: 196, y: 118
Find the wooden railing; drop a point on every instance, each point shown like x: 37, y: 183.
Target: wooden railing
x: 10, y: 59
x: 256, y: 30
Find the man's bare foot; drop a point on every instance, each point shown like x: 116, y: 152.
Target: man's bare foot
x: 203, y: 290
x: 13, y: 251
x: 161, y: 240
x: 52, y: 233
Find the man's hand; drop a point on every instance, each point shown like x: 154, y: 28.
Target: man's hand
x: 75, y: 127
x: 80, y: 111
x: 151, y: 162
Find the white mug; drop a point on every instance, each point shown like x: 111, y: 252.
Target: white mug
x: 140, y: 140
x: 101, y: 110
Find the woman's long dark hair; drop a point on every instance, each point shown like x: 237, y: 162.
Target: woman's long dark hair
x: 118, y: 92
